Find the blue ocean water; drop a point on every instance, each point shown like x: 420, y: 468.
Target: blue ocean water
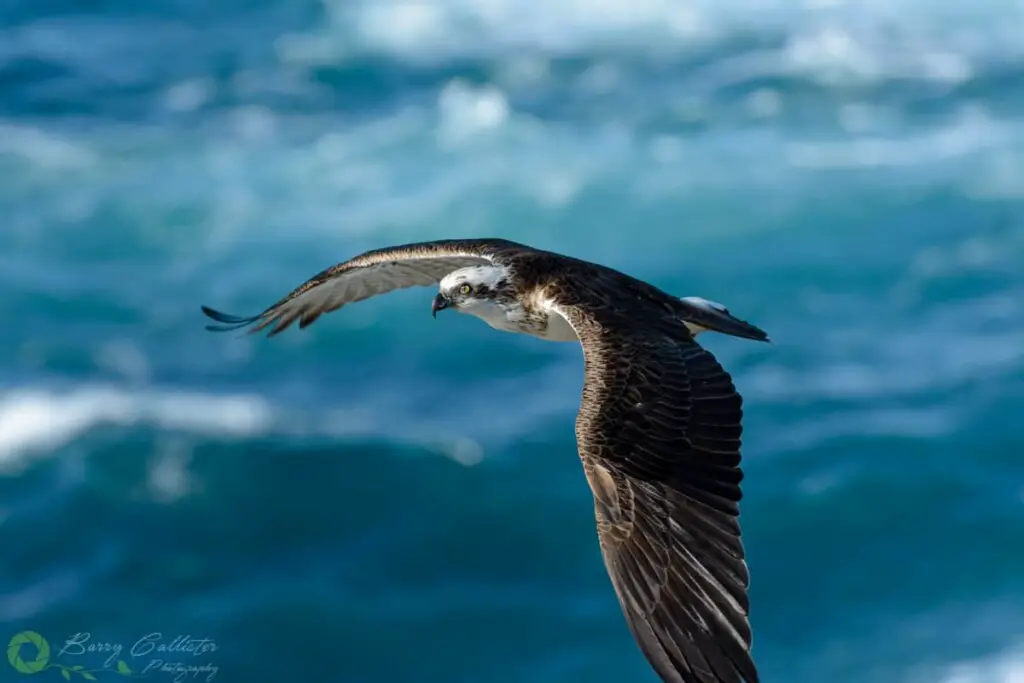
x: 382, y: 498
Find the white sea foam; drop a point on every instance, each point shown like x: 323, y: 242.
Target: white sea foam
x: 1007, y: 667
x: 835, y: 41
x: 466, y: 111
x: 43, y: 148
x: 973, y: 131
x: 909, y: 364
x: 36, y: 421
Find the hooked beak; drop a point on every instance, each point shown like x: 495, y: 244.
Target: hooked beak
x: 440, y: 303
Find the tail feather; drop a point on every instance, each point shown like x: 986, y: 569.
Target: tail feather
x: 700, y: 315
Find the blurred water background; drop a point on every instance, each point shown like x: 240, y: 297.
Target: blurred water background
x: 382, y: 498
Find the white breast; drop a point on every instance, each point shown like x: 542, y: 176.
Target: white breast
x: 515, y: 319
x: 559, y: 329
x: 494, y: 315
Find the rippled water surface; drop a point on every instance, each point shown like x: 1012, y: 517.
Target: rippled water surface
x: 382, y: 498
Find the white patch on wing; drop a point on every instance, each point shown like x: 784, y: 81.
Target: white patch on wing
x: 706, y: 304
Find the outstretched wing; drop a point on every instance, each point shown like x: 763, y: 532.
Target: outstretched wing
x: 659, y: 432
x: 369, y: 274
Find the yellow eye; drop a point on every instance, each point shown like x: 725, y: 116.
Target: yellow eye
x: 465, y: 289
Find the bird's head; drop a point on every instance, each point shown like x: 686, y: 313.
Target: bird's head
x: 483, y: 291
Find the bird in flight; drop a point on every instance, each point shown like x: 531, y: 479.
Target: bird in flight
x: 658, y: 429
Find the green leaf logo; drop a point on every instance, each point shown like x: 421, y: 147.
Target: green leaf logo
x: 122, y: 668
x: 66, y: 673
x: 31, y: 666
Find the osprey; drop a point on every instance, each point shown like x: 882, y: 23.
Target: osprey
x: 658, y: 428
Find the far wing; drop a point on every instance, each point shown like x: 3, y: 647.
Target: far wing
x: 659, y: 434
x: 369, y: 274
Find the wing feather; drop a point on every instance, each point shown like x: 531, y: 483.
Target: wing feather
x: 367, y: 275
x: 659, y: 431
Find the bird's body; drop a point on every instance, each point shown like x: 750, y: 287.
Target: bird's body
x: 658, y: 430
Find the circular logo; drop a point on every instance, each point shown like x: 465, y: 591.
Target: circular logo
x: 29, y: 666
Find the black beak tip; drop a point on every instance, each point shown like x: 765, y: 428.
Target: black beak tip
x: 439, y: 304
